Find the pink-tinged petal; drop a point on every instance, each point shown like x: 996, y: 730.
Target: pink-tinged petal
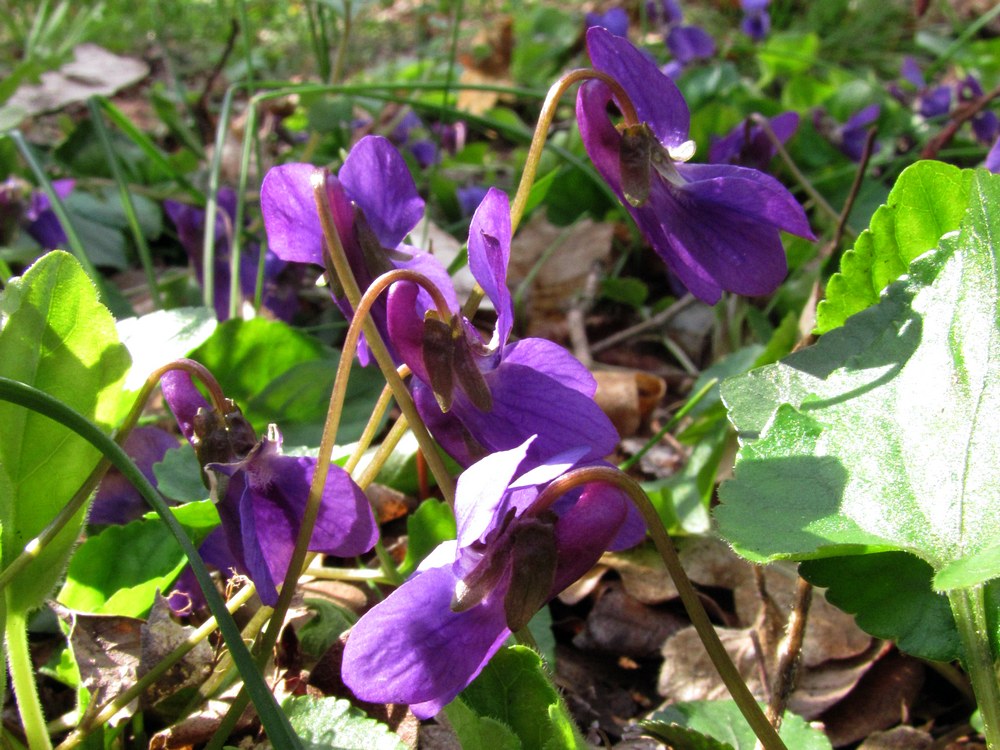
x: 376, y: 177
x: 412, y: 648
x: 585, y: 531
x: 480, y: 490
x: 489, y: 254
x: 183, y: 399
x: 656, y: 98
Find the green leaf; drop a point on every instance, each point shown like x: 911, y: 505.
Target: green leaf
x: 160, y: 337
x: 788, y: 54
x: 717, y: 725
x: 882, y: 436
x: 178, y: 475
x: 323, y: 629
x: 56, y: 336
x: 969, y: 571
x: 514, y: 689
x: 278, y: 374
x: 477, y: 732
x: 927, y: 201
x: 334, y: 724
x: 896, y: 602
x: 120, y: 570
x: 430, y: 524
x: 626, y: 289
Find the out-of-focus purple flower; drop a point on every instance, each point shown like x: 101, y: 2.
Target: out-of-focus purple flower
x: 261, y: 494
x: 431, y: 637
x: 664, y: 12
x: 117, y: 501
x: 993, y: 158
x: 614, y: 20
x: 477, y: 396
x: 715, y: 226
x: 690, y: 43
x: 849, y: 137
x: 749, y: 146
x: 375, y: 205
x: 469, y: 197
x: 40, y: 220
x: 189, y: 221
x: 756, y: 22
x: 928, y: 101
x: 985, y: 124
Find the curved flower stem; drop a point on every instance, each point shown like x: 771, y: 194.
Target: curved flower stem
x: 689, y: 596
x: 33, y: 548
x: 22, y: 676
x: 112, y: 707
x: 545, y: 118
x: 338, y: 261
x: 276, y: 723
x: 969, y: 608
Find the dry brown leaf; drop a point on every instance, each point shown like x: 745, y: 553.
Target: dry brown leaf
x: 92, y: 71
x: 492, y: 68
x: 628, y: 398
x: 621, y: 625
x: 160, y: 636
x: 900, y: 738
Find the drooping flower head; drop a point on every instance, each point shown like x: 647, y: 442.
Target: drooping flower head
x: 433, y: 635
x: 717, y: 227
x: 375, y: 205
x: 261, y: 494
x: 480, y: 396
x: 689, y: 44
x: 749, y: 145
x: 190, y: 224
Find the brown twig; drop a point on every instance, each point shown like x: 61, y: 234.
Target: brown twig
x: 654, y: 322
x: 577, y: 314
x: 201, y: 109
x: 961, y: 116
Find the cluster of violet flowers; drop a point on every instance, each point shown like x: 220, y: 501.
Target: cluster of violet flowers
x: 518, y: 416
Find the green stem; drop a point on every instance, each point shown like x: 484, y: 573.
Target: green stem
x: 275, y: 722
x: 345, y: 37
x: 236, y: 242
x: 141, y: 246
x: 212, y: 202
x: 969, y: 608
x: 730, y: 675
x: 22, y: 676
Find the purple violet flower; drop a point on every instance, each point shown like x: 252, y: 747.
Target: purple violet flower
x: 993, y: 157
x: 985, y: 124
x: 478, y: 397
x: 40, y: 220
x: 431, y: 637
x: 664, y: 12
x: 749, y: 146
x: 614, y: 20
x: 261, y: 494
x: 190, y: 223
x: 849, y: 137
x: 375, y: 205
x: 689, y: 43
x: 928, y: 101
x: 469, y: 198
x: 715, y: 226
x: 117, y: 501
x: 756, y: 22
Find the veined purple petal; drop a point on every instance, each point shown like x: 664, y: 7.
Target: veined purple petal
x: 489, y: 253
x: 412, y: 648
x: 480, y: 489
x: 376, y: 177
x: 293, y: 228
x: 656, y: 98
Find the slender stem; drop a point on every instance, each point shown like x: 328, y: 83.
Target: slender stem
x: 236, y: 244
x: 276, y: 723
x: 22, y: 676
x: 689, y: 596
x: 545, y: 118
x: 338, y: 260
x: 969, y: 608
x: 345, y: 37
x: 212, y: 202
x: 368, y: 436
